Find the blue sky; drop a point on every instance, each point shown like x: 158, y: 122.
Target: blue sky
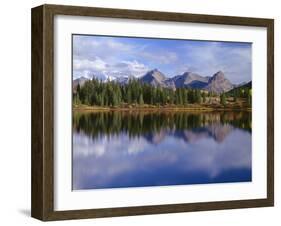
x: 119, y: 56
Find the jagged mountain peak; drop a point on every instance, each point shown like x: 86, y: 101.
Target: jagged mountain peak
x: 218, y: 75
x: 156, y: 73
x: 189, y: 74
x: 154, y: 77
x: 218, y: 83
x: 81, y: 80
x: 154, y: 70
x: 190, y: 80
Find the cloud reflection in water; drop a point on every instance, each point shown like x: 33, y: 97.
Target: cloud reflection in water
x: 215, y: 153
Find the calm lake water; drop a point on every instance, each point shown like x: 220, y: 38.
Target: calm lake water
x: 136, y: 149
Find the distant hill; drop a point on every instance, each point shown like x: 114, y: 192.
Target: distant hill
x: 218, y: 83
x: 239, y: 88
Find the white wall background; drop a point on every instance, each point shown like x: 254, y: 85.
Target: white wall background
x: 15, y: 112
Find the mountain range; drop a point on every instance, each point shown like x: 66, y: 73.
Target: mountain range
x: 217, y: 83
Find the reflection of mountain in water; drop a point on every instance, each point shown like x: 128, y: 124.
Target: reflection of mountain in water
x: 156, y: 126
x: 218, y: 132
x: 156, y: 138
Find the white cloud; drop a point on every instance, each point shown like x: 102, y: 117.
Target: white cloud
x: 117, y: 45
x: 130, y: 68
x: 160, y: 57
x: 102, y: 57
x: 87, y: 47
x: 235, y: 62
x: 85, y: 64
x: 97, y: 67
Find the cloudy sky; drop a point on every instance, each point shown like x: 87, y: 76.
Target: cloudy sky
x: 119, y: 56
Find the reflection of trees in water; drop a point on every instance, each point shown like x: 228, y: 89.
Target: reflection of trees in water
x: 156, y: 125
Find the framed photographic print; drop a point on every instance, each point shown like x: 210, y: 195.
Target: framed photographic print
x: 141, y: 112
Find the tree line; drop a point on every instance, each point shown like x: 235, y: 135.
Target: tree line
x: 97, y: 93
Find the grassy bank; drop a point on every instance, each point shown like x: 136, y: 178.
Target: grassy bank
x: 188, y: 107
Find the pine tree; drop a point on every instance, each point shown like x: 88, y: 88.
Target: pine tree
x: 129, y: 95
x: 235, y: 96
x: 204, y: 97
x: 223, y: 99
x: 141, y: 100
x: 78, y: 88
x: 249, y: 97
x: 198, y: 98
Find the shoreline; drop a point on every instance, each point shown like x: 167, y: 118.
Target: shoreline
x: 161, y: 108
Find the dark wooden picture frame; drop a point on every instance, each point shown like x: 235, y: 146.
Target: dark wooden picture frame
x: 42, y: 203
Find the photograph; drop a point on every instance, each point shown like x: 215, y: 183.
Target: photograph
x: 138, y: 112
x: 160, y: 112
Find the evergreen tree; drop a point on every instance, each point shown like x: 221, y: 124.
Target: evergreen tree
x: 141, y: 99
x: 223, y: 99
x: 235, y: 96
x: 204, y: 97
x: 249, y: 97
x: 129, y: 95
x: 78, y: 88
x: 198, y: 98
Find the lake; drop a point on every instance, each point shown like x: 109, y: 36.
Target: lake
x: 118, y: 149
